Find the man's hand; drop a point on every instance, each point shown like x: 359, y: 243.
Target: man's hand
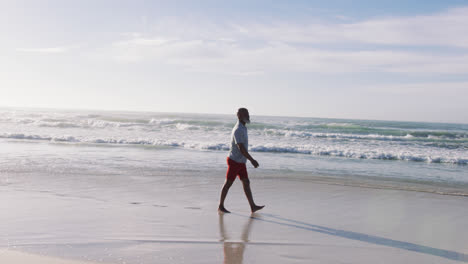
x: 254, y: 163
x: 246, y: 154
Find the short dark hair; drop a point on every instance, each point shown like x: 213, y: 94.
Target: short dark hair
x: 242, y: 109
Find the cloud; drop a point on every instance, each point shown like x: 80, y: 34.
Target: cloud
x: 426, y: 89
x: 139, y: 41
x: 395, y: 45
x: 447, y: 28
x: 44, y: 50
x: 52, y: 50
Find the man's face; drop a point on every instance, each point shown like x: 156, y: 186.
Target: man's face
x: 244, y: 116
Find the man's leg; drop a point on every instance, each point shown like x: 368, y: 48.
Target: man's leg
x: 248, y: 193
x: 224, y: 192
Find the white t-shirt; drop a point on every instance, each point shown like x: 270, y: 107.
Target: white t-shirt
x: 239, y: 135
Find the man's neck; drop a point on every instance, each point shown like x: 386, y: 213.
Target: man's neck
x: 242, y: 122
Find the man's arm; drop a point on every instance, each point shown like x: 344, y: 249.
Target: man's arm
x: 246, y: 154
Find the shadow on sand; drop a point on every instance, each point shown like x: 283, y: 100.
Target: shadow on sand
x: 452, y: 255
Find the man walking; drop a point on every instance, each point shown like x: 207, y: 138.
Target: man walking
x: 238, y: 156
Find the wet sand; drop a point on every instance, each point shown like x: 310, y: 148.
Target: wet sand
x: 173, y: 219
x: 16, y: 257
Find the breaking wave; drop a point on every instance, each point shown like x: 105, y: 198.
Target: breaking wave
x: 355, y: 153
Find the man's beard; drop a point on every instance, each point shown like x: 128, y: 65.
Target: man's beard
x: 246, y: 120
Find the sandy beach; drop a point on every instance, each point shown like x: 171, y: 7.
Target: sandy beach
x: 172, y: 218
x: 15, y: 257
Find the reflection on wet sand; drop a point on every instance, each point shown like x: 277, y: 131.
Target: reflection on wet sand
x: 234, y: 250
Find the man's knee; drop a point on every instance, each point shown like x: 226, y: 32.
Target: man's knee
x: 245, y: 181
x: 228, y: 184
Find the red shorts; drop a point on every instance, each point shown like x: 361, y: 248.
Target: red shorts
x: 236, y: 169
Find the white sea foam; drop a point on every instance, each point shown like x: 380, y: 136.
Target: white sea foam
x: 162, y: 121
x: 364, y: 152
x: 430, y: 143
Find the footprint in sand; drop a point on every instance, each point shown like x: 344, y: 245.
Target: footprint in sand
x: 193, y: 208
x: 158, y: 205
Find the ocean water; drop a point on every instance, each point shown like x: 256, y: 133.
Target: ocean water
x: 418, y: 156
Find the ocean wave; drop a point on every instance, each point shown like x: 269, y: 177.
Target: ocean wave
x: 361, y: 154
x: 271, y: 148
x: 104, y: 123
x: 360, y: 129
x: 38, y: 137
x: 291, y: 128
x: 58, y: 124
x: 439, y: 141
x: 163, y: 121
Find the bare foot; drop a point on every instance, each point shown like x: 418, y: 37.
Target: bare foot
x: 222, y: 209
x: 256, y: 208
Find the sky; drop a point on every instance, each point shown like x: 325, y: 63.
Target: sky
x: 385, y: 60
